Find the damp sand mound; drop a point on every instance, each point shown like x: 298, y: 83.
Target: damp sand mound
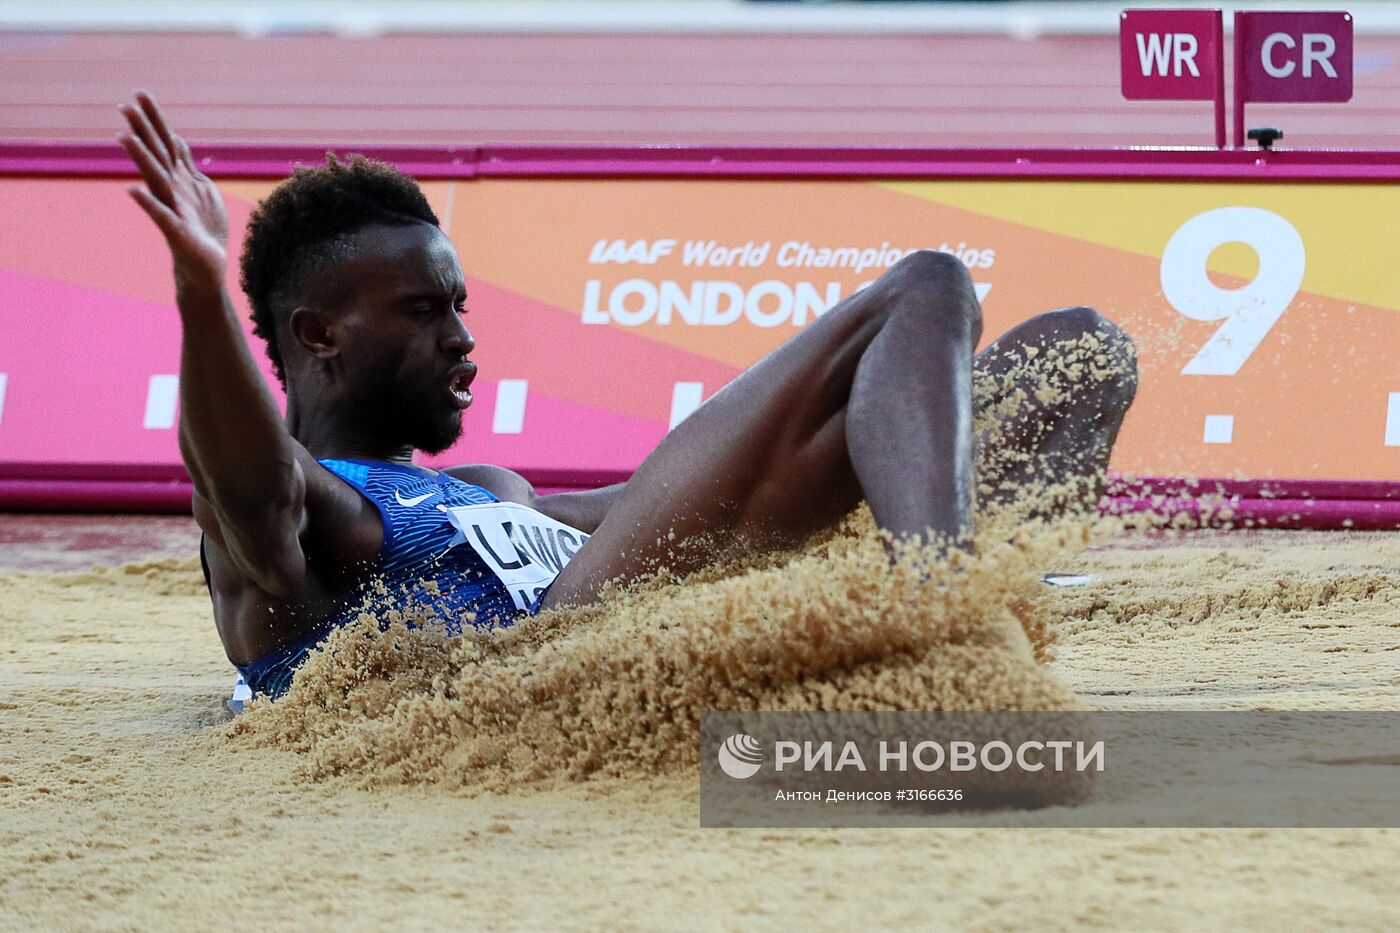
x: 618, y: 688
x: 161, y: 576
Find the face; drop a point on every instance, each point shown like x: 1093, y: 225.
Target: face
x: 401, y: 368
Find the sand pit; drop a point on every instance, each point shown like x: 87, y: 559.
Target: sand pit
x: 128, y: 799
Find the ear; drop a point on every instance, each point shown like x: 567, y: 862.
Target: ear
x: 312, y: 330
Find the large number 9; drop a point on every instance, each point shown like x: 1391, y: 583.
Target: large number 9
x: 1248, y: 312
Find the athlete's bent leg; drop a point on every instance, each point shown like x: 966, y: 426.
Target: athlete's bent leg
x: 1050, y: 395
x: 872, y: 401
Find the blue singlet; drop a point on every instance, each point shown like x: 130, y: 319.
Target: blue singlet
x: 420, y: 543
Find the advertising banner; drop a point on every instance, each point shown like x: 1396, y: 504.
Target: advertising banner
x: 1266, y: 315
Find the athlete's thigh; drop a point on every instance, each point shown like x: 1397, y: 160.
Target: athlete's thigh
x: 763, y: 462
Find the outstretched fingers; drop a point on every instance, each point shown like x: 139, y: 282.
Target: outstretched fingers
x: 156, y: 175
x: 182, y: 152
x: 178, y: 198
x: 163, y: 216
x: 142, y: 129
x: 150, y: 110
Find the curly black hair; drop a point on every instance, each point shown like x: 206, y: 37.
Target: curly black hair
x: 305, y: 224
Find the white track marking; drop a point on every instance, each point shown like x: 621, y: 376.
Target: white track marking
x: 509, y: 417
x: 1392, y: 420
x: 1220, y: 429
x: 4, y: 382
x: 162, y: 396
x: 685, y: 398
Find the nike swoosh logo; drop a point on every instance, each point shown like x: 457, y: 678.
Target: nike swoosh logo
x: 410, y: 503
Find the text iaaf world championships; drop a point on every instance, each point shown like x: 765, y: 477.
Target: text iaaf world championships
x: 716, y: 303
x: 933, y: 756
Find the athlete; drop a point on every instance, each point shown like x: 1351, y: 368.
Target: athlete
x: 359, y: 296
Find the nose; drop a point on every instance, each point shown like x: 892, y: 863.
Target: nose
x: 458, y: 340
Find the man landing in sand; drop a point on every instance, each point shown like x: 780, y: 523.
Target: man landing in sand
x: 360, y: 297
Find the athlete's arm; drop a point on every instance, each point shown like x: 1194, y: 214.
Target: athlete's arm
x: 584, y: 510
x: 249, y: 472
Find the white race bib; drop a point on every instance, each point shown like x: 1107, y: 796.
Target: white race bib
x: 523, y: 547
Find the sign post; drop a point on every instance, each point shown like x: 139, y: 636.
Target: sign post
x: 1296, y: 57
x: 1174, y: 55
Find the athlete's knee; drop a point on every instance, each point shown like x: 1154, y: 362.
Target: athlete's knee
x: 1108, y: 347
x: 1110, y: 339
x: 936, y: 286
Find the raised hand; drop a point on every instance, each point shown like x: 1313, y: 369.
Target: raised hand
x: 181, y: 199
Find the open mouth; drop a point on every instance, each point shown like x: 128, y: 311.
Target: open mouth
x: 460, y: 386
